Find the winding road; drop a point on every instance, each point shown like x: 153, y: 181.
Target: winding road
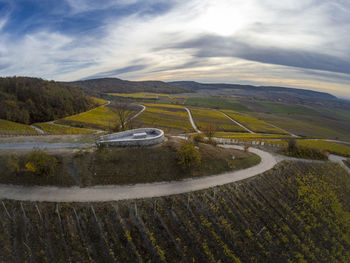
x: 103, y: 193
x: 191, y: 120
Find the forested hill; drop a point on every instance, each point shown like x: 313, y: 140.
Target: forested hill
x: 115, y: 85
x: 28, y: 100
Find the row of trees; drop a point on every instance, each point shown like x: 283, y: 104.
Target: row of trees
x: 29, y: 100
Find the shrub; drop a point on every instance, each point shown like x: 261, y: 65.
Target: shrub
x: 40, y: 163
x: 198, y: 137
x: 188, y: 155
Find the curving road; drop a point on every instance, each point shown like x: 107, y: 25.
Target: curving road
x: 122, y: 192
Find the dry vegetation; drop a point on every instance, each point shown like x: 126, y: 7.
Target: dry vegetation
x: 296, y: 213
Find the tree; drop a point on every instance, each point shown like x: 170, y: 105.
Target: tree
x: 292, y: 145
x: 189, y: 155
x: 209, y: 130
x: 124, y: 111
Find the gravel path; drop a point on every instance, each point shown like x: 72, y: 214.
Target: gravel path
x: 192, y: 121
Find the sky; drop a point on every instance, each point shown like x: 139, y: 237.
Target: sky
x: 291, y: 43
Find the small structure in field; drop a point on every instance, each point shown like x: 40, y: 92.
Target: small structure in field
x: 136, y: 137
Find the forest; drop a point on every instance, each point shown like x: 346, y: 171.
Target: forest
x: 29, y: 100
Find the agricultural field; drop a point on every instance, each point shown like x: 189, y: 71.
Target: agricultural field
x: 14, y: 128
x: 243, y: 136
x: 170, y: 118
x: 331, y: 147
x: 252, y: 123
x: 223, y: 224
x: 51, y: 128
x: 140, y: 95
x: 98, y: 118
x: 99, y: 101
x: 205, y: 117
x: 216, y: 102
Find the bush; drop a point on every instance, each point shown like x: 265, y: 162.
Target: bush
x: 40, y: 163
x: 198, y: 137
x: 188, y: 155
x: 307, y: 153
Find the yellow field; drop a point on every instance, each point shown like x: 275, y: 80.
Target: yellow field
x: 14, y: 128
x: 234, y: 135
x: 99, y: 118
x: 331, y: 147
x: 140, y: 95
x: 99, y: 101
x: 170, y: 118
x: 204, y: 117
x: 50, y: 128
x: 252, y: 123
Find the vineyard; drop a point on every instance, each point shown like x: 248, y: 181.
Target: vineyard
x: 50, y: 128
x: 331, y: 147
x: 170, y: 118
x: 99, y: 118
x: 204, y: 117
x: 296, y: 213
x: 252, y: 136
x: 252, y: 123
x: 139, y: 95
x: 14, y: 128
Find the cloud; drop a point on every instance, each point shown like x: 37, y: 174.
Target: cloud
x: 117, y: 72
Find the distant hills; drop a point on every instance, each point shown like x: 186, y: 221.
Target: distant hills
x: 28, y: 100
x: 115, y: 85
x: 250, y: 90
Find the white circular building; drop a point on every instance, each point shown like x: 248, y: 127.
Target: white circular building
x: 135, y: 137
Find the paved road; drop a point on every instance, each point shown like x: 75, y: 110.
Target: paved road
x: 122, y: 192
x: 192, y: 121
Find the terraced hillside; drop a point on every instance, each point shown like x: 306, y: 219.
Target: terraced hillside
x: 50, y: 128
x: 205, y: 117
x: 170, y: 118
x: 296, y: 213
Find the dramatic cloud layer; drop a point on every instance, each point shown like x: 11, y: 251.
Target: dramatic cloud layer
x: 296, y: 43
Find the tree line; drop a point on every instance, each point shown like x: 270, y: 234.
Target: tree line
x: 28, y: 100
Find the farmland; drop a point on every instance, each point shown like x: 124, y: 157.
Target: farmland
x: 224, y: 224
x: 237, y: 135
x: 99, y: 118
x: 170, y: 118
x: 50, y: 128
x: 14, y: 128
x: 205, y: 117
x: 216, y: 102
x: 139, y: 95
x: 252, y: 123
x: 331, y: 147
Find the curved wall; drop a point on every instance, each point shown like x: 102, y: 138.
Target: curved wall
x: 154, y: 136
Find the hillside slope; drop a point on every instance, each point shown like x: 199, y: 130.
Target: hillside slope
x: 28, y: 100
x: 115, y: 85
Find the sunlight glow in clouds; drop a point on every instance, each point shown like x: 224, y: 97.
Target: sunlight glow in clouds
x: 296, y: 43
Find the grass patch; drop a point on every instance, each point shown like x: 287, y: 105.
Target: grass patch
x: 51, y: 128
x: 99, y: 101
x: 14, y: 128
x: 252, y: 123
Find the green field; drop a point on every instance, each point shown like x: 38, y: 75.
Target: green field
x: 140, y: 95
x: 252, y: 123
x: 99, y: 118
x: 50, y: 128
x: 298, y: 212
x: 170, y: 118
x: 14, y: 128
x: 216, y: 103
x: 205, y: 117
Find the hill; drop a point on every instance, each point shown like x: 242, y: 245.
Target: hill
x: 28, y: 100
x: 254, y: 91
x: 115, y: 85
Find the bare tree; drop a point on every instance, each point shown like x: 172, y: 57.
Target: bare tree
x: 124, y: 111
